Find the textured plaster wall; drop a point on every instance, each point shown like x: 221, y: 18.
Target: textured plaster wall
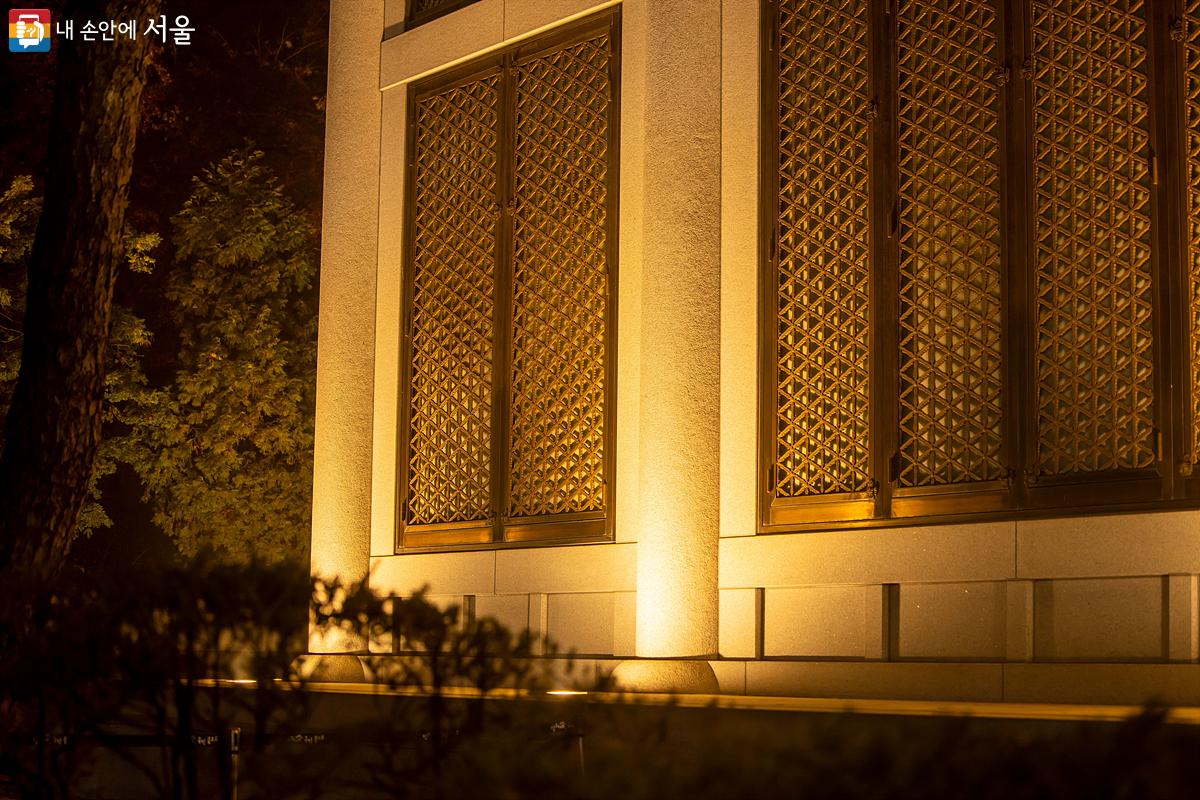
x: 469, y: 32
x: 739, y: 265
x: 392, y: 177
x: 1099, y: 620
x: 983, y: 551
x: 952, y: 620
x: 581, y: 622
x: 1130, y: 544
x: 977, y: 592
x: 818, y: 621
x: 686, y: 433
x: 345, y: 358
x: 627, y: 481
x: 680, y: 376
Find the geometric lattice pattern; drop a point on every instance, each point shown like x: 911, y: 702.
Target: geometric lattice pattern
x: 821, y: 424
x: 450, y: 402
x: 950, y: 315
x: 1094, y: 345
x: 1192, y: 134
x: 560, y: 282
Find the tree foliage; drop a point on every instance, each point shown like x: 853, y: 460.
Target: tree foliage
x: 224, y: 449
x: 124, y: 379
x: 109, y: 691
x: 252, y: 71
x: 19, y: 208
x: 54, y: 424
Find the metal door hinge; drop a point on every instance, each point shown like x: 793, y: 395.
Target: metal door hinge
x: 1158, y: 444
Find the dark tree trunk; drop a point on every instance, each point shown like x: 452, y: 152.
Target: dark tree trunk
x: 53, y: 426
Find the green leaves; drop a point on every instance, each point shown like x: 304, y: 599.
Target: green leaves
x: 224, y: 445
x: 19, y: 209
x: 128, y: 339
x: 225, y: 448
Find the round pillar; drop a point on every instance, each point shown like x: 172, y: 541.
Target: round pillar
x: 341, y: 522
x: 680, y: 351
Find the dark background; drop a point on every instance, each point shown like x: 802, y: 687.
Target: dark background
x: 253, y: 72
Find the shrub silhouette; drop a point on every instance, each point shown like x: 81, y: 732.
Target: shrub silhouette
x: 109, y: 689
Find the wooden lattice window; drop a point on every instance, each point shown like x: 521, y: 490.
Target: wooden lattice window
x: 509, y: 289
x: 977, y: 220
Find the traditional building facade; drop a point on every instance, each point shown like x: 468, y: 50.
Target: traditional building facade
x: 844, y: 348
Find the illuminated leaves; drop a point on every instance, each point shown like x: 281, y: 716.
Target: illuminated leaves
x: 225, y: 449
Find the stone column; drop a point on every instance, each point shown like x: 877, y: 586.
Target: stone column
x: 681, y: 350
x: 341, y: 524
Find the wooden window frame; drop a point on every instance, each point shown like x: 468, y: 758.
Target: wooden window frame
x: 1170, y: 482
x: 499, y: 531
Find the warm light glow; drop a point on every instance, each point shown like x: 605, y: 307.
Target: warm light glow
x: 679, y: 425
x: 341, y: 518
x: 657, y: 603
x: 676, y: 616
x: 565, y: 692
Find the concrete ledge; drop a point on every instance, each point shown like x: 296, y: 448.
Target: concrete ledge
x: 532, y: 570
x: 1125, y: 686
x: 893, y: 681
x: 554, y: 570
x: 974, y: 552
x: 1104, y: 684
x: 1136, y: 684
x: 1112, y: 546
x: 460, y: 573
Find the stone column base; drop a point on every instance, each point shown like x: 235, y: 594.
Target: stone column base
x: 332, y: 668
x: 666, y: 676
